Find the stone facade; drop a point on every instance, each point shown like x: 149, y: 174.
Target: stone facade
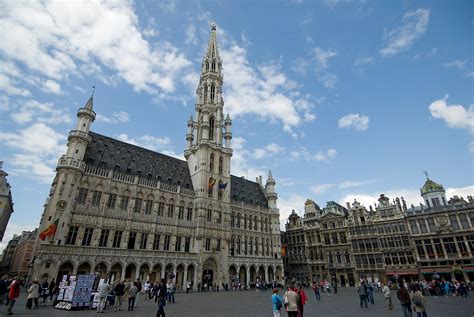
x: 126, y: 212
x: 386, y: 242
x: 6, y: 202
x: 21, y: 262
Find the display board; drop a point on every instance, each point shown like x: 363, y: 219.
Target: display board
x: 75, y: 292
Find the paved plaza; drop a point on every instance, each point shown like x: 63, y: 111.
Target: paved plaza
x: 251, y: 304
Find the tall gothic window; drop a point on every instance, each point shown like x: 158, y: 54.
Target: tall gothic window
x: 207, y: 66
x: 205, y: 93
x: 213, y: 92
x: 211, y: 163
x: 220, y: 165
x: 211, y: 130
x: 213, y: 66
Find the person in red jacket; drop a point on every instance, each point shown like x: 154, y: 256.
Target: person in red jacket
x: 13, y: 294
x: 302, y: 299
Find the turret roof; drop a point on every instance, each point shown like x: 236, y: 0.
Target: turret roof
x: 431, y: 186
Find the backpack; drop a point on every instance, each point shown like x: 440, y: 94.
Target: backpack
x: 417, y: 300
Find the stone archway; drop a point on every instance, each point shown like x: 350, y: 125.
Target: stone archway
x: 210, y: 273
x: 131, y: 272
x: 84, y: 268
x: 190, y: 274
x: 144, y: 273
x: 180, y: 277
x: 115, y: 273
x: 67, y: 268
x: 101, y: 269
x: 279, y: 272
x: 155, y: 275
x: 233, y: 275
x: 261, y: 273
x: 253, y: 274
x: 169, y: 272
x: 271, y: 276
x: 243, y: 275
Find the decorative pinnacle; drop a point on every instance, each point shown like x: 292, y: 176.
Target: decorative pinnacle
x: 426, y: 174
x: 213, y: 26
x: 93, y: 90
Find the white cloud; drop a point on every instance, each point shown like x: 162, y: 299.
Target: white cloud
x: 12, y: 229
x: 268, y: 150
x: 147, y: 141
x: 304, y: 153
x: 7, y: 84
x: 460, y: 64
x: 116, y: 117
x: 455, y: 116
x: 364, y: 60
x: 414, y: 25
x: 411, y: 196
x: 277, y: 96
x: 191, y: 37
x: 321, y: 188
x: 40, y: 147
x: 321, y: 58
x: 352, y: 184
x: 355, y: 121
x: 51, y: 86
x: 333, y: 3
x: 241, y: 160
x: 58, y: 39
x: 42, y: 112
x: 288, y: 202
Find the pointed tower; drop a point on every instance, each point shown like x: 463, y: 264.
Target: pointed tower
x: 69, y: 170
x: 208, y: 158
x: 270, y: 191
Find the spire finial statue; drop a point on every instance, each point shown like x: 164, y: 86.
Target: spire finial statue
x: 213, y: 26
x: 426, y: 174
x: 93, y: 90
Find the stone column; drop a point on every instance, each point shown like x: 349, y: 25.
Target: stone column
x: 266, y: 274
x: 185, y: 277
x: 247, y: 282
x: 122, y: 277
x: 137, y: 274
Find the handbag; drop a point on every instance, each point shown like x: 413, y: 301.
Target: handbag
x: 285, y: 299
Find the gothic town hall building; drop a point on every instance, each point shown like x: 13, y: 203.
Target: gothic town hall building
x: 126, y: 212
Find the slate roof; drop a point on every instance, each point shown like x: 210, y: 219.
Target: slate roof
x: 247, y: 191
x: 109, y: 153
x: 130, y: 159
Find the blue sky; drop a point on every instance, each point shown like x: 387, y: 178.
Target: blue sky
x: 340, y: 99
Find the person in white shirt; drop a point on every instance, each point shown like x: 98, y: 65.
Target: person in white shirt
x: 387, y: 296
x: 103, y: 290
x: 146, y: 288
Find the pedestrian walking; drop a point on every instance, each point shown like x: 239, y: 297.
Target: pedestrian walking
x: 147, y: 289
x: 370, y: 293
x: 419, y: 302
x: 119, y: 291
x: 103, y: 290
x: 51, y: 286
x: 13, y: 294
x: 362, y: 290
x: 139, y: 286
x: 277, y: 303
x: 316, y: 291
x: 290, y: 300
x: 3, y: 288
x: 405, y: 300
x: 161, y: 294
x: 132, y: 296
x: 387, y: 296
x: 33, y: 295
x: 302, y: 299
x: 188, y: 287
x: 172, y: 290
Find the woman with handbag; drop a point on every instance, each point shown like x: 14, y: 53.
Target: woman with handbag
x: 290, y: 300
x: 277, y: 302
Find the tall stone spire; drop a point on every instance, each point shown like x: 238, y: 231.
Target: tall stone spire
x: 212, y: 51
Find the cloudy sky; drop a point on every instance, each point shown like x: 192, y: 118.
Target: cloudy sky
x: 339, y: 98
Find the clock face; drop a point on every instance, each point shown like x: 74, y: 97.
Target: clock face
x: 62, y: 204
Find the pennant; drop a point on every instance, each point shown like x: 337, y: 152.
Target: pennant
x: 211, y: 183
x: 50, y: 230
x: 222, y: 186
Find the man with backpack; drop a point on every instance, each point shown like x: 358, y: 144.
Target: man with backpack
x: 405, y: 300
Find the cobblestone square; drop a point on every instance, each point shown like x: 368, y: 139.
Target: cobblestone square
x: 252, y: 304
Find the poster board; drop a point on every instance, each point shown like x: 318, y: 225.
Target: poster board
x: 75, y: 292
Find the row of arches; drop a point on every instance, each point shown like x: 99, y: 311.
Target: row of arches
x: 249, y: 275
x: 131, y: 272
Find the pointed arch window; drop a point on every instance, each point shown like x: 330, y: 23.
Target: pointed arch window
x: 207, y: 66
x: 251, y: 246
x: 205, y: 93
x: 211, y: 129
x: 220, y: 165
x: 213, y: 66
x: 256, y: 246
x: 213, y: 92
x: 211, y: 163
x: 246, y: 245
x: 238, y: 245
